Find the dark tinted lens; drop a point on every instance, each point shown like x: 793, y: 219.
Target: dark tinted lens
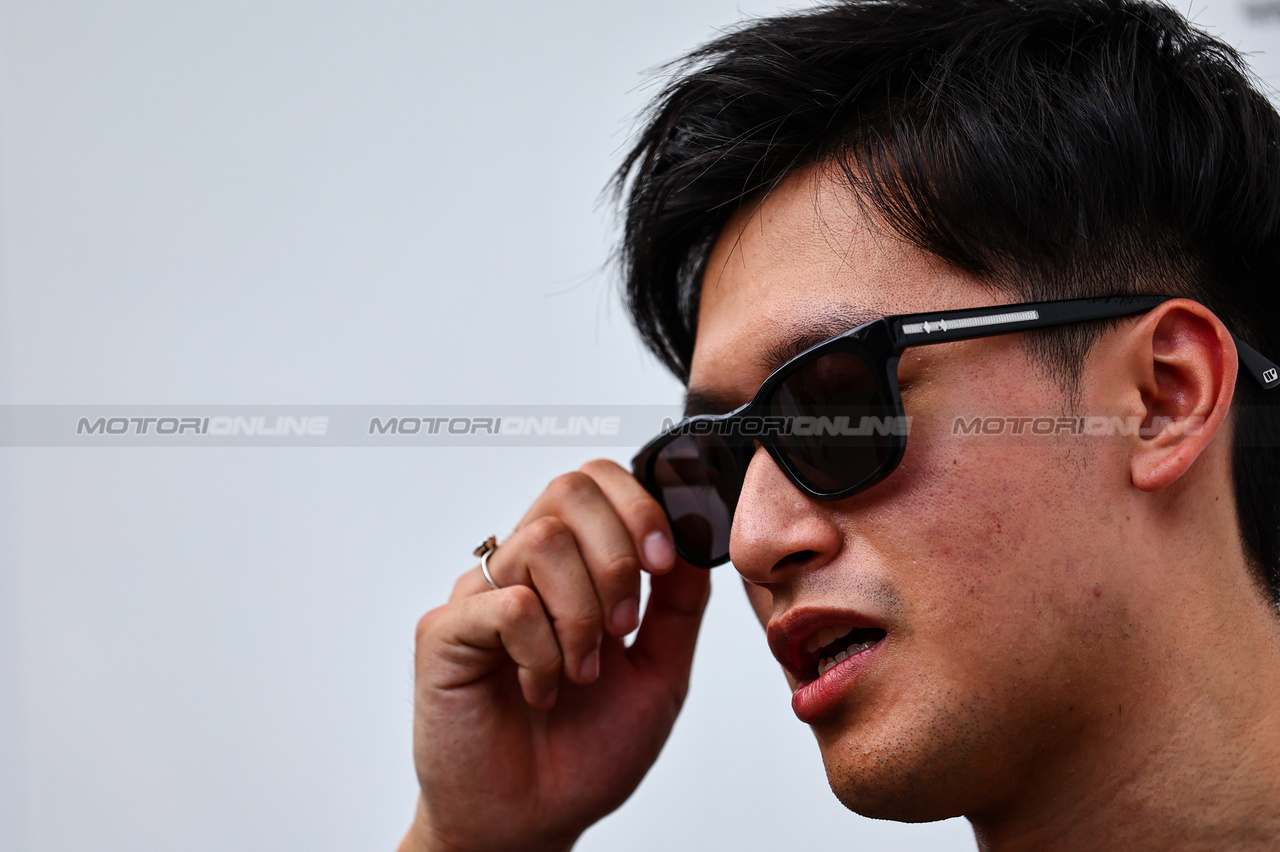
x: 698, y: 484
x: 844, y: 426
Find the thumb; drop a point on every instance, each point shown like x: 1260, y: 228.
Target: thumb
x: 669, y: 631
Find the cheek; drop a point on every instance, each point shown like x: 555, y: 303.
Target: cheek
x: 983, y: 542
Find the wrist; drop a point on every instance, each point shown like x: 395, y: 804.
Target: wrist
x: 421, y: 838
x: 418, y: 838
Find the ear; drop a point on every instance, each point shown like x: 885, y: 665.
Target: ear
x: 1184, y: 367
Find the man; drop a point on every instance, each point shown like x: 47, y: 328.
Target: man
x: 1070, y: 638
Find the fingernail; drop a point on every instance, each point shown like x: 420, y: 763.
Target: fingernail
x: 626, y: 615
x: 658, y: 551
x: 590, y: 667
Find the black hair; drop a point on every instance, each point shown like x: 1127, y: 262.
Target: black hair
x: 1052, y: 148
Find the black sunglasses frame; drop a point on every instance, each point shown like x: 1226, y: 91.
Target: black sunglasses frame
x: 880, y: 344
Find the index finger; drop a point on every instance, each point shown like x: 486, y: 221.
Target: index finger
x: 639, y: 512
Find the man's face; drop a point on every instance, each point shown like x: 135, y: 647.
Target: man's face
x: 982, y: 563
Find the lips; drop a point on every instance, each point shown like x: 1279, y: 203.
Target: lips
x: 825, y: 651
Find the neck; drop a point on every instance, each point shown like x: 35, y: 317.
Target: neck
x: 1185, y: 754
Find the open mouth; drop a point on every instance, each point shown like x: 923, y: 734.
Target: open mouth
x: 833, y: 645
x: 826, y: 653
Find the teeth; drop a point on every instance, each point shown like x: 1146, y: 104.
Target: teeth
x: 827, y: 663
x: 825, y: 637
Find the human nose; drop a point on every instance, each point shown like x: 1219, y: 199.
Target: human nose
x: 776, y: 526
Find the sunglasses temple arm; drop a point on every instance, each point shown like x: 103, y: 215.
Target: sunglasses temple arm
x: 1263, y: 370
x: 946, y: 326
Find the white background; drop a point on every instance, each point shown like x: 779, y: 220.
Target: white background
x: 293, y: 203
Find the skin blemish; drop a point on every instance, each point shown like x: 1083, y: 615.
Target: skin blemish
x: 1097, y: 590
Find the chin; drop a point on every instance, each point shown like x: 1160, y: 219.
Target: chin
x: 889, y: 794
x: 905, y: 774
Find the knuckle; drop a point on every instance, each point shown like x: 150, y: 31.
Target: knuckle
x: 548, y: 533
x: 426, y: 623
x: 645, y: 512
x: 580, y: 624
x: 571, y: 487
x: 600, y: 467
x: 548, y: 665
x: 520, y: 604
x: 620, y: 566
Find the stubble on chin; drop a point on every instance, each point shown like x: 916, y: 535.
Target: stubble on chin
x: 933, y: 763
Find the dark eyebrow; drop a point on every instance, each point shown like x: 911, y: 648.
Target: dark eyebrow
x: 833, y: 321
x: 705, y: 401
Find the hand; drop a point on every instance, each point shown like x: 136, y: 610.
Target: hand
x: 532, y: 718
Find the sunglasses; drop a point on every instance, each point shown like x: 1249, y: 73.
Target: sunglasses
x: 832, y: 417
